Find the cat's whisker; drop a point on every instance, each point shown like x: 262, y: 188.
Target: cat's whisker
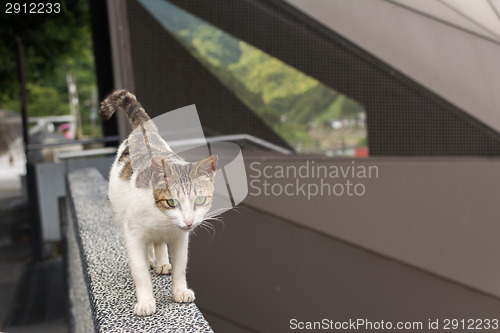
x: 206, y: 225
x: 216, y: 219
x: 220, y: 220
x: 202, y: 227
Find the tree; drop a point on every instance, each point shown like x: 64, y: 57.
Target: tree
x: 49, y: 41
x: 54, y: 46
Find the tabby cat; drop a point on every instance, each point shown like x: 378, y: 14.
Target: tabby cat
x: 158, y: 198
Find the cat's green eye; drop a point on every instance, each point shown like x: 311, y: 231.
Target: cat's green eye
x: 174, y: 203
x: 200, y: 200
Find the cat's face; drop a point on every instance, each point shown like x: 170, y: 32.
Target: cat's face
x: 184, y: 192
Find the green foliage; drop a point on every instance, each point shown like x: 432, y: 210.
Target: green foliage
x: 52, y: 101
x: 363, y: 142
x: 268, y: 76
x: 54, y: 45
x: 214, y: 45
x: 297, y: 107
x: 48, y: 40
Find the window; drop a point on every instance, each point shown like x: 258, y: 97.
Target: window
x: 310, y: 116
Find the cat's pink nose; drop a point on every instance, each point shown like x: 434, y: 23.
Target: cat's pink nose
x: 189, y: 220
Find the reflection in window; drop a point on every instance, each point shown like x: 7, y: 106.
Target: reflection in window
x: 310, y: 116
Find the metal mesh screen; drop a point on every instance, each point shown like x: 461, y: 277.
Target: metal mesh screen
x: 403, y: 118
x: 167, y: 77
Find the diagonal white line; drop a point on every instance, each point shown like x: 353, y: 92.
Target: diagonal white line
x: 469, y: 18
x: 446, y: 22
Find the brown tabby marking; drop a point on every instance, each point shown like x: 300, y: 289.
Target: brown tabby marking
x: 124, y: 156
x: 127, y: 102
x: 161, y: 196
x: 126, y: 172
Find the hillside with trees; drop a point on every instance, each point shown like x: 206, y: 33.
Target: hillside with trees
x: 310, y: 116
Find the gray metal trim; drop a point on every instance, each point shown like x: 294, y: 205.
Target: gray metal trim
x: 121, y: 55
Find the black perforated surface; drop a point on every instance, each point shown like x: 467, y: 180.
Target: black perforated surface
x: 403, y: 118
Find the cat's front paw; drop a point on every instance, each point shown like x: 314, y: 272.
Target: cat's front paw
x: 183, y: 295
x: 164, y: 269
x: 145, y: 308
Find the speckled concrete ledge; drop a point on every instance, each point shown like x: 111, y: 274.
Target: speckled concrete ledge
x: 96, y: 251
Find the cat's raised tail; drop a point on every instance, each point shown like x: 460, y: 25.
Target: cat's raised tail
x: 126, y: 101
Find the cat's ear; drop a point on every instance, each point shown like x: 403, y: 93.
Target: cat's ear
x: 160, y: 170
x: 205, y: 167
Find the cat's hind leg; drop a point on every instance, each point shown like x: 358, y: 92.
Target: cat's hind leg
x: 162, y: 261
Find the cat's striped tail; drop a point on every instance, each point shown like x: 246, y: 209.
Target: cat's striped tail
x: 126, y: 101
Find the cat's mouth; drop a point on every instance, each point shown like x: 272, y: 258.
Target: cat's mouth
x: 186, y: 228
